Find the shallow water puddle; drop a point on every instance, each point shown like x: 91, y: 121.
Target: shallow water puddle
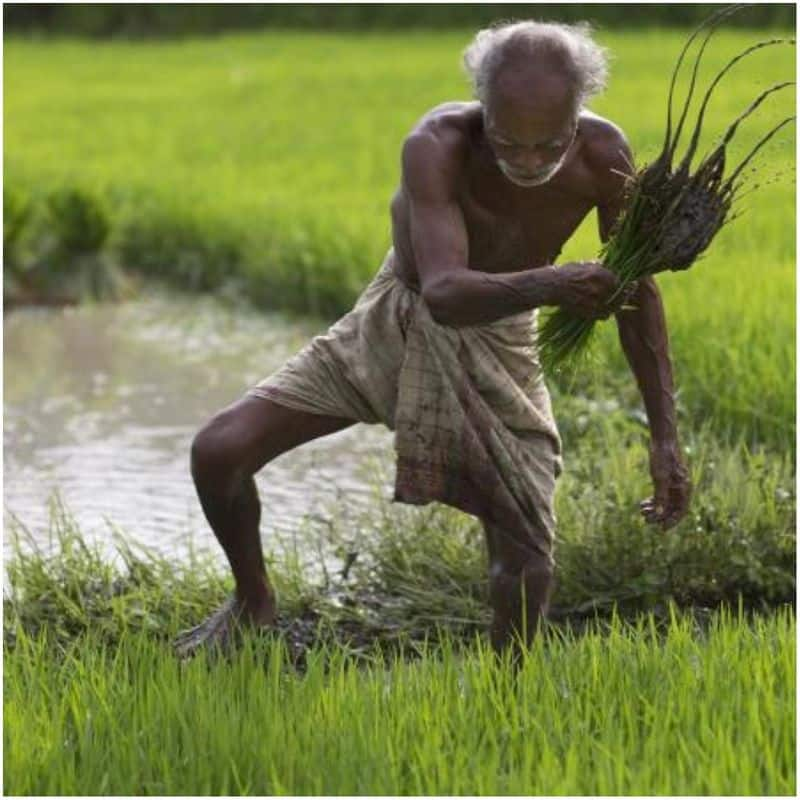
x: 102, y: 401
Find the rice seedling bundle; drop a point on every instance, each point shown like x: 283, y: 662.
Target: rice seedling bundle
x: 671, y: 214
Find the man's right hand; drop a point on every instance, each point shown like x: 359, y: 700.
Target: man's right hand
x: 584, y: 288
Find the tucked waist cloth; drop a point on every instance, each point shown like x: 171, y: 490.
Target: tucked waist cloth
x: 472, y: 417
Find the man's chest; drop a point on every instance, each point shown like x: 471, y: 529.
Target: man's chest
x: 512, y: 229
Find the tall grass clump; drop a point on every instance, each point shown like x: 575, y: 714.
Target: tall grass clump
x: 671, y: 214
x: 57, y: 248
x: 16, y: 213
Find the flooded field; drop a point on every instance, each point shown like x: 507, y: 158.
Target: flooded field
x: 101, y: 403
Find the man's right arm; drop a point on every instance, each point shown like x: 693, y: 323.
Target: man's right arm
x: 456, y: 295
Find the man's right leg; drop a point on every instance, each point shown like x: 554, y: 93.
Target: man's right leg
x: 235, y: 444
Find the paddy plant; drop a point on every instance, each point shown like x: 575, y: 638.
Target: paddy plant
x: 671, y: 214
x: 631, y: 709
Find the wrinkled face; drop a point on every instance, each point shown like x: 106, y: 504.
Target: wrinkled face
x: 530, y: 124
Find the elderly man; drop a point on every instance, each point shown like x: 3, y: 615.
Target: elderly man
x: 440, y: 347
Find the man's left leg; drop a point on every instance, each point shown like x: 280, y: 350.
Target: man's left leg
x: 520, y: 585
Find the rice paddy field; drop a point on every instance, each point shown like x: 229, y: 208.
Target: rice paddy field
x: 261, y: 166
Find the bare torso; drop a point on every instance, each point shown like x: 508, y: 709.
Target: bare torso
x: 510, y: 228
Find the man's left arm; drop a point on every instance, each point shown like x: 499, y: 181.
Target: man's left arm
x: 643, y: 336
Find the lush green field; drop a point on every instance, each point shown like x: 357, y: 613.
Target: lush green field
x: 630, y: 711
x: 266, y: 162
x: 270, y: 160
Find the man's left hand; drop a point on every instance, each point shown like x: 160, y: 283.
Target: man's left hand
x: 671, y: 485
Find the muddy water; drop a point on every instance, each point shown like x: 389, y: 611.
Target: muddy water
x: 101, y: 404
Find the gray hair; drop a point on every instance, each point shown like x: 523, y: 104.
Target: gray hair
x: 571, y: 46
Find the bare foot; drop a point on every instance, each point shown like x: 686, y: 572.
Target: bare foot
x: 220, y: 630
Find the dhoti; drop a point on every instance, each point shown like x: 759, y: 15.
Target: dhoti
x: 473, y: 423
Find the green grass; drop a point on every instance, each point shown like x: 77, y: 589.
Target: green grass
x: 629, y: 711
x: 269, y: 160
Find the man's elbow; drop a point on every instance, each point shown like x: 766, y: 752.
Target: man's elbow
x: 440, y: 298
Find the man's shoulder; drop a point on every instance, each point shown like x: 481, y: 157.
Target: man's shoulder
x: 437, y: 145
x: 451, y: 122
x: 605, y: 145
x: 606, y: 154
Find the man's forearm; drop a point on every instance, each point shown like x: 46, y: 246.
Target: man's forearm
x: 471, y: 297
x: 643, y: 335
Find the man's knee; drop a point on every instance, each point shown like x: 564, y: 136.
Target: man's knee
x: 216, y: 452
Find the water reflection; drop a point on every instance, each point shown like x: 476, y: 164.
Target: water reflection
x: 101, y: 403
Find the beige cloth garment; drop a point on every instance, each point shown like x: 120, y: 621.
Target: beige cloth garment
x: 472, y: 417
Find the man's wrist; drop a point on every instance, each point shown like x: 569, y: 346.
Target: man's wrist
x: 535, y: 287
x: 549, y: 289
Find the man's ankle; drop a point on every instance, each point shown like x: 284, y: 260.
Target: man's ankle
x: 258, y: 604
